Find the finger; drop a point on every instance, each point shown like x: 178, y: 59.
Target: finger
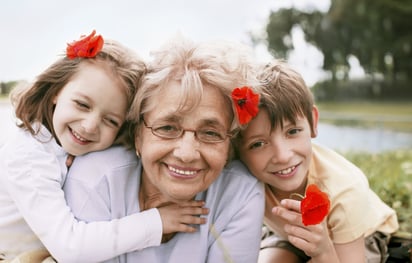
x: 291, y: 204
x: 193, y: 220
x: 192, y: 203
x: 195, y: 210
x: 288, y: 215
x: 186, y: 228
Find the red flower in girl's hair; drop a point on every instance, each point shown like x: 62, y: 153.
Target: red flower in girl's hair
x: 315, y: 206
x: 85, y: 47
x: 246, y: 103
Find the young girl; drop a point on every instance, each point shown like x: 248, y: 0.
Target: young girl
x: 277, y: 148
x: 78, y: 105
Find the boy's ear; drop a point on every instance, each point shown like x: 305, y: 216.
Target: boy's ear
x: 315, y: 118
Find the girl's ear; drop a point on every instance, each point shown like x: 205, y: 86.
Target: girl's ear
x: 137, y: 141
x: 55, y: 99
x: 315, y: 118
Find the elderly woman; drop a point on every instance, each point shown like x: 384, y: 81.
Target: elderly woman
x: 184, y: 118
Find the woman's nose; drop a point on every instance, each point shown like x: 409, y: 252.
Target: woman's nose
x: 187, y: 147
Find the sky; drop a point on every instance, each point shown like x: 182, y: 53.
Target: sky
x: 35, y: 33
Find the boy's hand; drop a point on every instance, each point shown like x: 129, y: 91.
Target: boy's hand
x: 314, y: 240
x: 180, y: 217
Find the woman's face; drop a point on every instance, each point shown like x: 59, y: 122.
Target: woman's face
x: 182, y: 167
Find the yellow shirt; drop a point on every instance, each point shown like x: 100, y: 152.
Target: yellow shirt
x: 355, y: 209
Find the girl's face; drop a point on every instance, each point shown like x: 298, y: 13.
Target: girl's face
x: 89, y: 110
x: 280, y: 157
x: 182, y: 167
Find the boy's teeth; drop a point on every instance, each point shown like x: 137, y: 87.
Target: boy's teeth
x: 287, y: 171
x: 182, y: 171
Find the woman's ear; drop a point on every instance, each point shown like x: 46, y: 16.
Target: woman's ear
x: 315, y: 120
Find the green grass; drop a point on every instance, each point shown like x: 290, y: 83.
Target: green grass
x: 403, y: 108
x: 395, y: 116
x: 389, y: 175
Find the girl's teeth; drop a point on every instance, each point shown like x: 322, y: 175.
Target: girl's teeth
x: 78, y: 137
x: 182, y: 171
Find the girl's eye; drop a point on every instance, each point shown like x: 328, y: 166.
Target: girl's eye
x: 82, y: 104
x: 112, y: 122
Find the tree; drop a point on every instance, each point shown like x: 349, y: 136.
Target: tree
x: 377, y: 32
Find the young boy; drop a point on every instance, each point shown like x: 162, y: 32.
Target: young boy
x: 277, y: 148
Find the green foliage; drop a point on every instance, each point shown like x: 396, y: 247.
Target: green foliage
x: 6, y: 87
x: 389, y: 175
x: 377, y: 32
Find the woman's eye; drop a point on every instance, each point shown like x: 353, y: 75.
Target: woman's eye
x: 166, y: 129
x: 211, y: 134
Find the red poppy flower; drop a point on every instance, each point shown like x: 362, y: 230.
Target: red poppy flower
x: 85, y: 47
x: 246, y: 103
x: 315, y: 206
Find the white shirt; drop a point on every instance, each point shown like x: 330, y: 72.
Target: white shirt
x: 104, y: 185
x: 34, y: 213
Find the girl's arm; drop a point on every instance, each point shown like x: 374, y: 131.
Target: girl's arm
x: 35, y: 184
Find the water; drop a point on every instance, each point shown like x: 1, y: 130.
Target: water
x: 339, y: 138
x: 343, y: 138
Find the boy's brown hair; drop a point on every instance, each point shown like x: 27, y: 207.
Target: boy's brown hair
x: 284, y: 94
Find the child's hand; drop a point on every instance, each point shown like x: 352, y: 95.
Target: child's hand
x: 179, y: 217
x: 314, y: 240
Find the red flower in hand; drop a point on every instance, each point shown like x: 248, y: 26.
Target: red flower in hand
x: 315, y: 206
x: 246, y: 103
x: 86, y: 47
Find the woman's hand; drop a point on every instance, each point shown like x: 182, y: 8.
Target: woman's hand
x: 314, y: 240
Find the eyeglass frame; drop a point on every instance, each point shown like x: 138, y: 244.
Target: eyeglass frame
x: 182, y: 132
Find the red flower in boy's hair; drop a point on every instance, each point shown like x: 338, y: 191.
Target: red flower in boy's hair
x: 246, y: 103
x: 85, y: 47
x: 315, y: 206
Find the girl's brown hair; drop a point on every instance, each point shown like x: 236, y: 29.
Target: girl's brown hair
x: 35, y: 103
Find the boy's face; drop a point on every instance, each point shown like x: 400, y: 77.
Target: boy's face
x: 280, y: 157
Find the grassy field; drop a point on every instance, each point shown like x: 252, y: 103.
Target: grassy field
x: 389, y: 175
x: 390, y: 115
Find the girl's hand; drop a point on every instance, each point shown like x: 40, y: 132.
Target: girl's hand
x: 180, y: 217
x: 314, y: 240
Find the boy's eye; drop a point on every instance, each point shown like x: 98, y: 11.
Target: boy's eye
x: 294, y: 131
x: 256, y: 145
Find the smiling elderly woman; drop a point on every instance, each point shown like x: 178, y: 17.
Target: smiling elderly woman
x: 184, y: 120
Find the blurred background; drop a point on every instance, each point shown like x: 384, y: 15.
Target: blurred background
x: 355, y: 55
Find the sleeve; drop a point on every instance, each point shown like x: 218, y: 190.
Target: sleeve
x: 36, y: 189
x: 350, y: 211
x: 237, y: 238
